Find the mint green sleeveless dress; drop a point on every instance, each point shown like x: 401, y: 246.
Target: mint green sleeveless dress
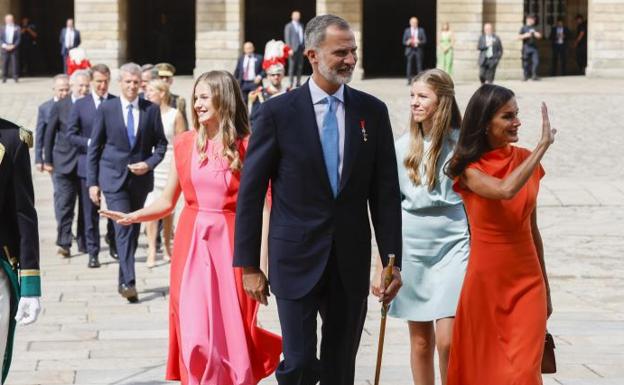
x: 445, y: 59
x: 435, y: 242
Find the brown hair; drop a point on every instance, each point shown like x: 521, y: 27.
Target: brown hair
x: 472, y: 143
x: 227, y: 100
x: 446, y: 117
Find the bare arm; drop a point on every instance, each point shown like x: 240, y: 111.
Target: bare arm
x: 491, y: 187
x: 539, y: 247
x: 180, y: 124
x: 160, y: 208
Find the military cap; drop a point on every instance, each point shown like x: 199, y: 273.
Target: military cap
x: 165, y: 69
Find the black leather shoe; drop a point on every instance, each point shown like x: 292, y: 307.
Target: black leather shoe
x: 112, y: 249
x: 128, y: 292
x: 94, y: 262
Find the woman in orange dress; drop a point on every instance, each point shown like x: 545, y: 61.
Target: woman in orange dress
x: 213, y: 335
x: 498, y: 336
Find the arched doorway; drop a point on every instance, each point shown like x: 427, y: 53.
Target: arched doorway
x: 384, y: 23
x: 547, y: 13
x: 162, y: 31
x: 265, y: 20
x: 48, y: 17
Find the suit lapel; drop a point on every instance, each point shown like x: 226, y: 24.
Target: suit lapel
x: 141, y: 125
x: 303, y: 112
x: 122, y: 123
x: 353, y: 137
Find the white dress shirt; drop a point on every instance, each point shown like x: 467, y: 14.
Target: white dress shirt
x: 320, y: 107
x: 9, y: 33
x: 96, y: 99
x: 69, y: 37
x: 135, y: 112
x: 299, y: 30
x: 249, y: 67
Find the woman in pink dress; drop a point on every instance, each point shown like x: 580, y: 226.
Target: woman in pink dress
x: 213, y: 336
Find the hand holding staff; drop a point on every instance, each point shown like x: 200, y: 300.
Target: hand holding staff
x: 386, y: 280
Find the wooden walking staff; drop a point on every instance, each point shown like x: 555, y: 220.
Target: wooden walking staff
x: 387, y: 278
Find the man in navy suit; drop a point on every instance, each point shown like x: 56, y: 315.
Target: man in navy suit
x: 127, y: 142
x: 62, y: 157
x: 80, y: 128
x: 328, y: 152
x: 61, y: 90
x: 69, y: 38
x: 9, y: 47
x: 414, y: 40
x: 249, y: 72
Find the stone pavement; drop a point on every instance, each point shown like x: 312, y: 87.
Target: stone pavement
x: 88, y: 335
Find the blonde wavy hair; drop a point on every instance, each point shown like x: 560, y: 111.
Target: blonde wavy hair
x: 227, y: 100
x: 161, y: 86
x: 446, y: 117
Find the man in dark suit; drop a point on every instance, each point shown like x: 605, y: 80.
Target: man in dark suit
x: 69, y: 38
x: 9, y: 46
x: 61, y: 90
x: 414, y: 40
x: 530, y: 34
x: 490, y: 52
x: 20, y: 282
x: 327, y: 150
x: 559, y: 37
x: 127, y: 142
x: 293, y: 36
x: 249, y: 72
x: 79, y: 132
x: 62, y: 157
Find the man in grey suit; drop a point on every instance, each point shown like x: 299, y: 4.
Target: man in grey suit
x: 414, y: 40
x: 293, y: 36
x: 9, y: 46
x: 490, y: 52
x: 61, y: 90
x: 69, y: 38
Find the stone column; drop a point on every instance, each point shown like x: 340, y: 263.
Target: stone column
x: 351, y: 11
x: 220, y: 27
x: 506, y: 18
x: 465, y: 18
x: 605, y: 46
x: 103, y: 31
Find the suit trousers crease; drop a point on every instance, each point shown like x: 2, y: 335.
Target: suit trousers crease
x: 343, y: 317
x: 10, y: 60
x: 414, y: 56
x: 129, y: 198
x: 66, y: 191
x: 295, y: 67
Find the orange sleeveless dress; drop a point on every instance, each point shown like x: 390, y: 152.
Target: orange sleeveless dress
x: 498, y: 336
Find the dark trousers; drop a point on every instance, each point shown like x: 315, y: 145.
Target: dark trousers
x: 10, y: 60
x: 91, y: 220
x: 129, y: 198
x: 295, y: 67
x: 530, y: 61
x: 246, y: 87
x: 66, y: 190
x: 487, y: 71
x: 64, y: 57
x: 581, y: 57
x: 558, y: 59
x: 415, y: 55
x: 343, y: 319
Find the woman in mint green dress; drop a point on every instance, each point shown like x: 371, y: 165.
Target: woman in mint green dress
x: 435, y: 229
x: 445, y: 49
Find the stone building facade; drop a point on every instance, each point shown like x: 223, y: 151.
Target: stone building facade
x: 220, y: 26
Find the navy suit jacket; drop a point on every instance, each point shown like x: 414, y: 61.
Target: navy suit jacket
x: 43, y: 115
x: 109, y: 152
x: 17, y: 36
x: 58, y: 151
x: 64, y: 49
x: 407, y: 34
x: 240, y: 70
x: 80, y: 128
x: 307, y: 222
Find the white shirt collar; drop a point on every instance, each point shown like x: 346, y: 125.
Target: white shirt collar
x: 97, y: 98
x: 125, y: 102
x: 318, y: 94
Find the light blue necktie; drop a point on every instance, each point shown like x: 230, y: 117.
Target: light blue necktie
x: 130, y: 126
x: 329, y: 141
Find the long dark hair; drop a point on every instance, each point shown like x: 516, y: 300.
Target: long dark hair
x: 472, y: 143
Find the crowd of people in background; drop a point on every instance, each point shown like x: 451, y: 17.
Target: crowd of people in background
x: 130, y: 157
